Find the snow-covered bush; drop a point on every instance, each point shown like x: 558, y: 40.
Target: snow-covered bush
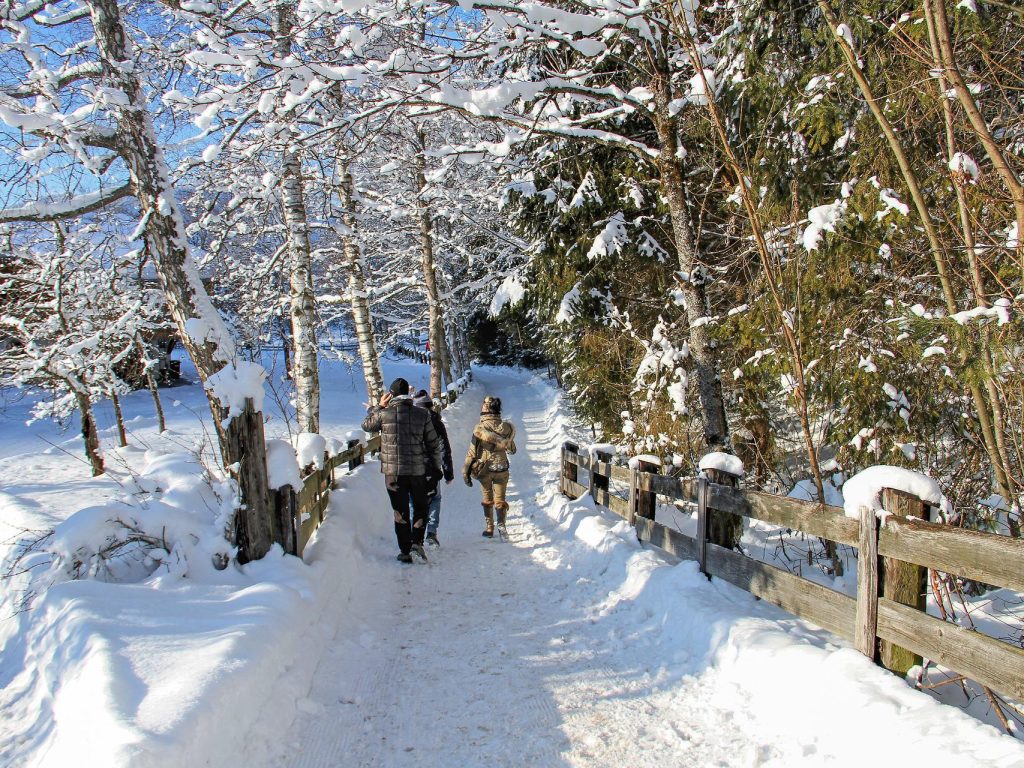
x: 173, y: 523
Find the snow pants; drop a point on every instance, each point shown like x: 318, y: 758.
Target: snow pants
x: 493, y: 486
x: 403, y: 490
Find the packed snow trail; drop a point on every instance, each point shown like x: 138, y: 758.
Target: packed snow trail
x: 490, y: 655
x: 568, y: 646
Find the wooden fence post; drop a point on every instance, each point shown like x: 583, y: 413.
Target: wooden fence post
x: 865, y: 628
x: 356, y: 460
x: 598, y: 482
x: 246, y: 457
x: 569, y: 470
x: 902, y: 582
x: 702, y: 523
x: 724, y: 528
x: 285, y: 519
x: 641, y: 503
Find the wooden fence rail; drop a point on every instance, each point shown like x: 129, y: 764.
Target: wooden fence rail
x: 883, y: 624
x: 300, y: 512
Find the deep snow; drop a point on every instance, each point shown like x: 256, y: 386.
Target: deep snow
x: 571, y: 645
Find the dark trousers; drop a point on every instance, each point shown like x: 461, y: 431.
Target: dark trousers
x: 401, y: 490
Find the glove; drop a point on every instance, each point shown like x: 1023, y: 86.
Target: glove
x: 468, y: 479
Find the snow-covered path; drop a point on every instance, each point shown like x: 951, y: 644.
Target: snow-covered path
x: 571, y: 646
x: 493, y: 654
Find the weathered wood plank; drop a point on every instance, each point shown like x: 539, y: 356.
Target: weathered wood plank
x: 575, y: 489
x: 987, y: 557
x: 702, y: 523
x: 620, y: 473
x: 674, y: 487
x: 866, y: 625
x: 663, y: 537
x: 990, y: 662
x: 822, y: 606
x: 618, y: 505
x: 373, y: 444
x: 815, y: 519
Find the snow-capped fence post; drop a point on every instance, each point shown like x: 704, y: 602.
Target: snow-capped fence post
x: 570, y: 471
x: 902, y: 582
x: 724, y: 528
x: 641, y: 503
x: 599, y: 483
x: 246, y: 455
x: 702, y: 484
x: 865, y: 626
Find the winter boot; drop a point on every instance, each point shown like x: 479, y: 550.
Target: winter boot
x: 488, y: 520
x: 502, y: 509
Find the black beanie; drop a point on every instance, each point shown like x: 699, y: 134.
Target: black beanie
x: 399, y: 387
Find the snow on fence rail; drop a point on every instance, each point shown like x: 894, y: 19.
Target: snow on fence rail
x: 299, y: 512
x: 886, y: 621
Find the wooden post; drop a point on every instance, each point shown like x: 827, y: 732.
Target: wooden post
x: 246, y: 457
x: 599, y: 482
x: 902, y: 582
x: 724, y: 528
x: 702, y: 524
x: 285, y: 519
x: 865, y: 626
x: 641, y: 503
x: 570, y: 471
x: 356, y: 460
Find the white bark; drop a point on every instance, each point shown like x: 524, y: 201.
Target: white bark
x: 305, y: 369
x: 439, y: 366
x: 361, y: 317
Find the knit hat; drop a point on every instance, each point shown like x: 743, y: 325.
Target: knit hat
x: 491, y: 405
x: 399, y: 387
x: 422, y: 400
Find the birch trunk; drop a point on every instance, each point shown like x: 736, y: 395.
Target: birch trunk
x: 361, y: 317
x: 302, y: 301
x: 201, y: 329
x: 702, y: 350
x: 435, y: 315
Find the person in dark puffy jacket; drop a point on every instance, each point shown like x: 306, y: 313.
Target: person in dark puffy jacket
x: 423, y: 400
x: 409, y: 450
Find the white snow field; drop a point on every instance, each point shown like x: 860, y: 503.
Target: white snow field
x: 570, y: 645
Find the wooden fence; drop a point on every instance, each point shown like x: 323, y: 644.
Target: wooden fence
x: 885, y: 621
x: 298, y: 513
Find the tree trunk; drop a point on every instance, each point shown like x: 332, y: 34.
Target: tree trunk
x: 151, y: 384
x: 89, y: 435
x: 302, y: 301
x: 981, y: 405
x: 361, y: 317
x: 434, y: 312
x: 702, y: 350
x: 122, y: 436
x: 200, y: 327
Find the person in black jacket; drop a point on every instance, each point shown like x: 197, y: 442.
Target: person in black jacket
x: 423, y: 400
x: 409, y: 449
